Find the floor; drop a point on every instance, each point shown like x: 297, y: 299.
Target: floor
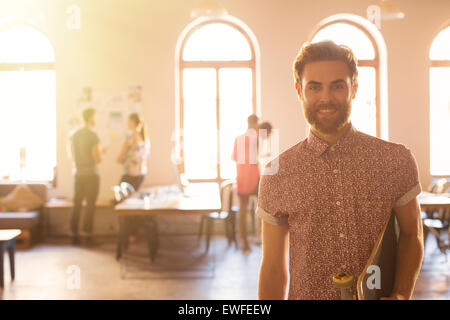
x: 58, y: 270
x: 434, y: 278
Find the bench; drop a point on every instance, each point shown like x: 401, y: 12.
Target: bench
x: 31, y: 222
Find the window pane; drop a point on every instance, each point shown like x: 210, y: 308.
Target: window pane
x: 235, y: 90
x: 10, y: 93
x: 24, y: 44
x: 200, y: 129
x: 40, y: 121
x: 440, y: 48
x: 439, y: 121
x: 351, y: 36
x: 28, y: 100
x: 364, y: 116
x: 217, y: 42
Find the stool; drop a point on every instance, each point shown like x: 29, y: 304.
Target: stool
x: 8, y: 241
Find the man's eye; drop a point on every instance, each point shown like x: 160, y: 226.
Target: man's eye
x: 338, y: 86
x: 314, y: 88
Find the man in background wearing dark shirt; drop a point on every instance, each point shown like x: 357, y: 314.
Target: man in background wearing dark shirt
x: 86, y: 155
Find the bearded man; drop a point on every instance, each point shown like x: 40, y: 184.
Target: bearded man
x: 334, y: 191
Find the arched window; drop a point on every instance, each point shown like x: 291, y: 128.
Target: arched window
x: 216, y: 92
x: 370, y: 102
x: 440, y: 104
x: 27, y: 105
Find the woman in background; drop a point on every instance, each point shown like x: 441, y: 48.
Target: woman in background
x: 266, y: 153
x: 245, y: 154
x: 133, y: 156
x: 134, y: 152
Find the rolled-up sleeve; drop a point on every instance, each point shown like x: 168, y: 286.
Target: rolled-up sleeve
x: 408, y: 178
x: 269, y: 201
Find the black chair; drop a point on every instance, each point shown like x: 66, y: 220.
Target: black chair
x: 127, y: 224
x: 121, y: 192
x: 438, y: 222
x: 225, y: 215
x: 127, y: 189
x: 437, y: 225
x: 118, y: 194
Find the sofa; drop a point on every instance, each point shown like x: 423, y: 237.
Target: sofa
x: 31, y: 222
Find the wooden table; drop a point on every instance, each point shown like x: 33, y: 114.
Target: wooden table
x: 8, y: 242
x: 435, y: 202
x: 198, y: 198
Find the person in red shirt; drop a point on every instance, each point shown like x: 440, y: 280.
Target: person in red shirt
x: 245, y: 154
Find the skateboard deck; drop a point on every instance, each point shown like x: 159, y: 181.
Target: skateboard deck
x: 378, y: 276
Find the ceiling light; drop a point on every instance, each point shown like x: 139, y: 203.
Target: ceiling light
x: 389, y: 11
x: 209, y: 8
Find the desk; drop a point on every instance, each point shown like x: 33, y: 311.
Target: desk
x: 8, y: 242
x: 199, y: 198
x: 436, y: 202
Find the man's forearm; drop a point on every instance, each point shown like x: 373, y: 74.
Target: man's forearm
x: 272, y: 283
x: 409, y: 262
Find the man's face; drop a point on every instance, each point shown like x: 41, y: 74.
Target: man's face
x: 326, y: 94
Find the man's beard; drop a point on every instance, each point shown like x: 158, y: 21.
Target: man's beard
x: 324, y: 125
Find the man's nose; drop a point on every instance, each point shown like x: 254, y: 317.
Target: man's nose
x: 325, y: 95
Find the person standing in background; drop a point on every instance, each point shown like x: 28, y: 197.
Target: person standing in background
x: 133, y: 155
x: 265, y: 146
x: 245, y: 154
x: 265, y: 154
x: 134, y: 152
x: 84, y: 148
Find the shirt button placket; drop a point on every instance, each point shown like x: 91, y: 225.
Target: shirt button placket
x: 341, y: 212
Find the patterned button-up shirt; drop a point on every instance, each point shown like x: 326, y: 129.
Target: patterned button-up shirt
x: 335, y: 201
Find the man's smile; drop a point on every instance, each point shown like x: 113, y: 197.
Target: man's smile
x: 326, y: 112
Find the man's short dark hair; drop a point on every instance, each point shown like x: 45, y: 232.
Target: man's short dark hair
x: 252, y: 120
x: 88, y: 114
x: 323, y: 51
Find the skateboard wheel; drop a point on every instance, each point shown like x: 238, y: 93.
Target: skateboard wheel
x: 343, y: 280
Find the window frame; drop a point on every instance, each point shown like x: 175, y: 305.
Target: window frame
x: 31, y: 66
x: 181, y: 64
x: 435, y: 64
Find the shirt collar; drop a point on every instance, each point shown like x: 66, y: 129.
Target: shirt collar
x: 319, y: 146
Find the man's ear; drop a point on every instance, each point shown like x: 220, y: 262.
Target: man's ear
x: 298, y: 89
x: 354, y: 88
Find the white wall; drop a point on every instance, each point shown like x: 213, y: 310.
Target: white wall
x: 133, y: 41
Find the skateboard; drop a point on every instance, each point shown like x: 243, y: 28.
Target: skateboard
x: 378, y: 276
